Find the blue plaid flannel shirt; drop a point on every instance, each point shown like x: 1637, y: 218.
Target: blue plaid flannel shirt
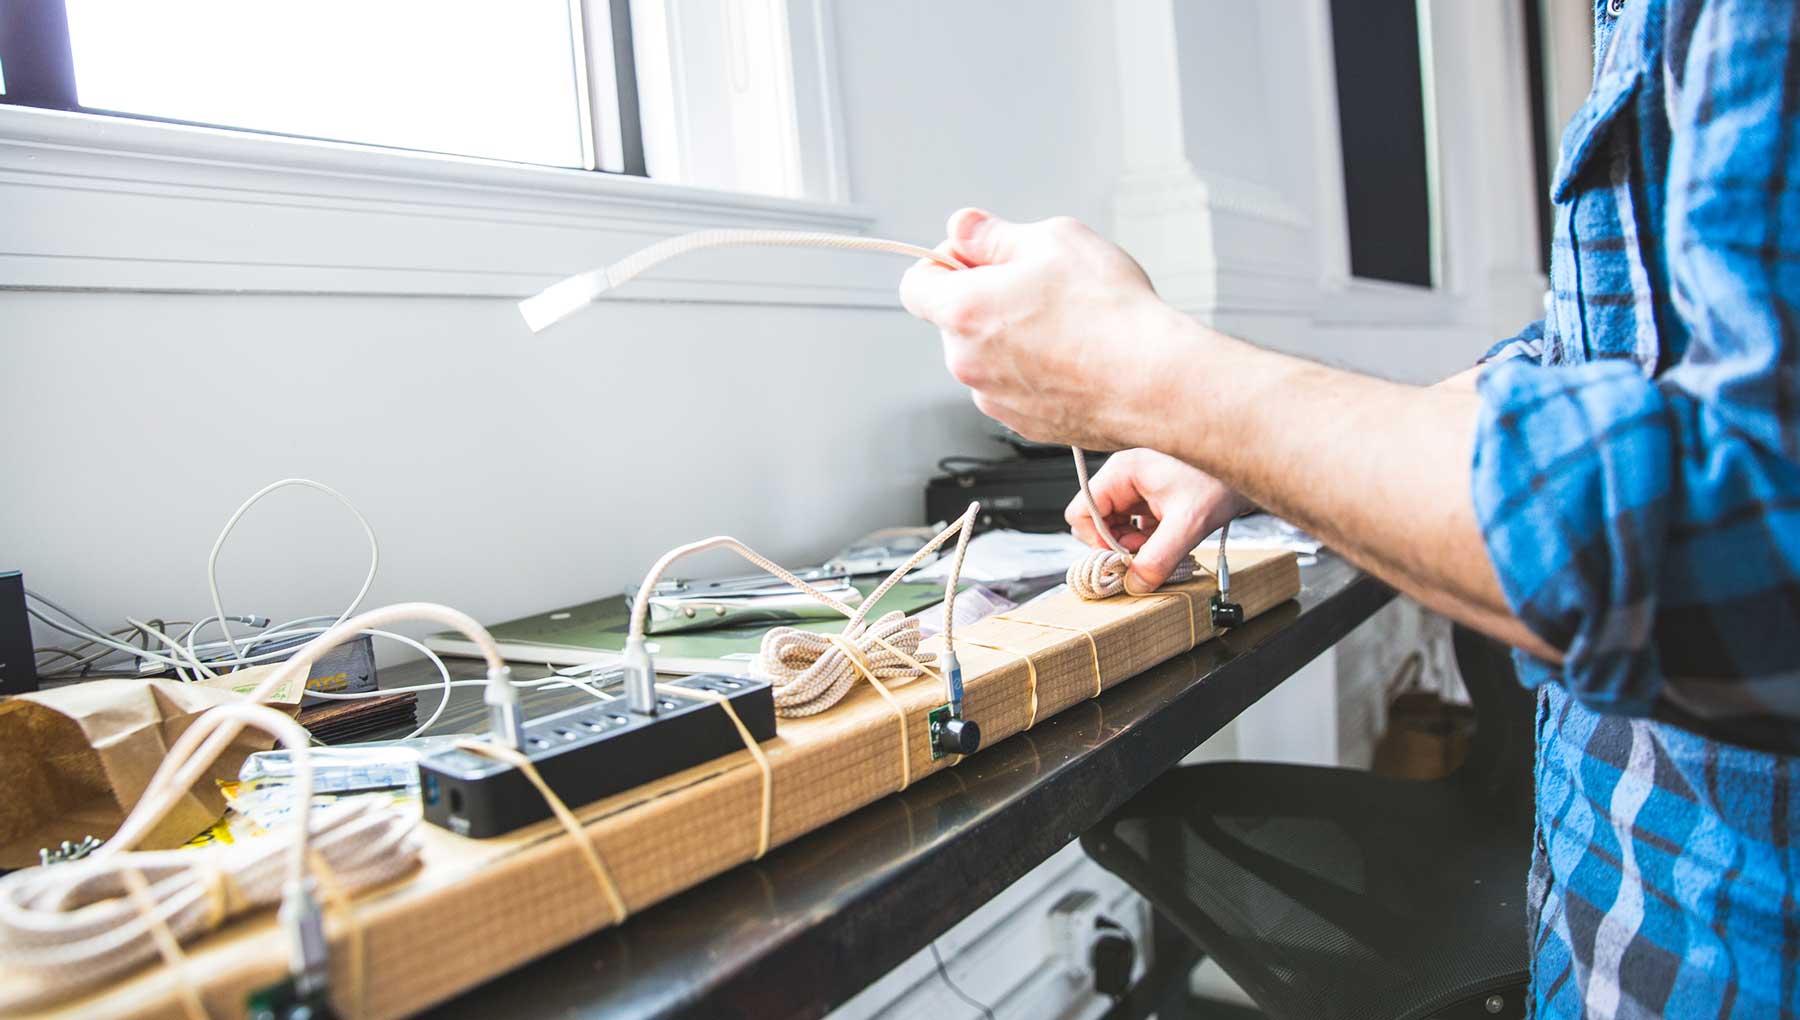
x: 1637, y: 477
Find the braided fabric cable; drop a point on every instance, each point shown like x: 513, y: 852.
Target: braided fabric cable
x: 76, y: 924
x: 809, y: 671
x: 563, y: 299
x: 813, y: 673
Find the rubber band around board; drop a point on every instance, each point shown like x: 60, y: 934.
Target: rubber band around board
x: 923, y: 669
x: 167, y: 945
x: 1193, y: 613
x: 338, y: 900
x: 750, y: 744
x: 1030, y: 674
x: 861, y: 662
x: 1093, y: 646
x: 223, y: 893
x: 609, y: 890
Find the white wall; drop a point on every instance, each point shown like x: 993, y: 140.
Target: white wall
x: 504, y: 473
x: 507, y: 474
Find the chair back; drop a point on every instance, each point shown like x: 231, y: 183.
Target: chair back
x: 1499, y: 763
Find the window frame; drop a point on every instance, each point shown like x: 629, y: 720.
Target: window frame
x: 1352, y: 302
x: 609, y: 122
x: 87, y: 199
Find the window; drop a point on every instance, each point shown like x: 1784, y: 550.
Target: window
x: 549, y: 82
x: 1537, y: 76
x: 307, y: 146
x: 1383, y: 92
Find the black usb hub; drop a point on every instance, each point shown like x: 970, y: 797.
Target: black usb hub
x: 593, y: 751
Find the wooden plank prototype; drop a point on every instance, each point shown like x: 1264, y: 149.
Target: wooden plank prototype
x: 478, y: 908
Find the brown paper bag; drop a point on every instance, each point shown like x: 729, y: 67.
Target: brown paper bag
x: 75, y: 759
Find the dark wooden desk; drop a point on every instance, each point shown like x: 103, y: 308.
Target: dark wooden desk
x: 818, y: 920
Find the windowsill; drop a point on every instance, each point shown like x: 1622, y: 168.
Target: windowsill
x: 108, y: 203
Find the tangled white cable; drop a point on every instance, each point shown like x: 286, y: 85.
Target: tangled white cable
x: 212, y: 563
x: 810, y: 671
x: 186, y: 658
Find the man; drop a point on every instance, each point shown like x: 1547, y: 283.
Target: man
x: 1615, y: 492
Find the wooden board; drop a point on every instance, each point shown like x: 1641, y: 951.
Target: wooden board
x: 478, y: 908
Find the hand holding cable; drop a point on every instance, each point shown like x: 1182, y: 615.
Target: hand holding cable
x: 1144, y: 513
x: 1110, y: 277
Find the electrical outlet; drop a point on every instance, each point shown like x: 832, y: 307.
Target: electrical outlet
x: 1073, y: 920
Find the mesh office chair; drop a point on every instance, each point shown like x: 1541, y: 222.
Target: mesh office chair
x: 1337, y: 894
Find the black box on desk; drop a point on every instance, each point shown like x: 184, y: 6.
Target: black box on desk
x: 1024, y: 494
x: 18, y: 664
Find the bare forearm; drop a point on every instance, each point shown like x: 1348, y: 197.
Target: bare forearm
x: 1378, y: 470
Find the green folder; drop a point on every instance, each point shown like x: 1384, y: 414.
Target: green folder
x: 595, y: 631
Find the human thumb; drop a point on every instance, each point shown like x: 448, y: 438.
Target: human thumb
x: 980, y: 238
x: 1152, y: 564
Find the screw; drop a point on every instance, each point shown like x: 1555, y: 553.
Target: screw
x: 1494, y: 1004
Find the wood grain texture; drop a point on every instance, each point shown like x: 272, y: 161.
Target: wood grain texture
x: 491, y: 905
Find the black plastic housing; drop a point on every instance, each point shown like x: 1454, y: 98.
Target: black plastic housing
x: 18, y: 663
x: 592, y: 751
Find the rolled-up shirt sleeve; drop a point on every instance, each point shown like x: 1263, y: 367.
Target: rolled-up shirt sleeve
x: 1573, y: 470
x: 1650, y: 527
x: 1638, y: 529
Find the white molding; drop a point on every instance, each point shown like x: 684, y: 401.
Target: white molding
x: 1254, y: 201
x: 1270, y: 288
x: 818, y: 101
x: 92, y: 202
x: 1161, y: 209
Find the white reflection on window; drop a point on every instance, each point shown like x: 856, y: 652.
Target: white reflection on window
x: 473, y: 77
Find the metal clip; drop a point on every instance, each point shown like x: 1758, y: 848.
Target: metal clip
x: 727, y: 601
x: 67, y: 851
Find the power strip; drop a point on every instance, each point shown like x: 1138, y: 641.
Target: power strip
x: 593, y: 751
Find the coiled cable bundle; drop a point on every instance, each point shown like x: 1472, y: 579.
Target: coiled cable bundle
x: 65, y: 926
x: 75, y: 924
x: 811, y: 671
